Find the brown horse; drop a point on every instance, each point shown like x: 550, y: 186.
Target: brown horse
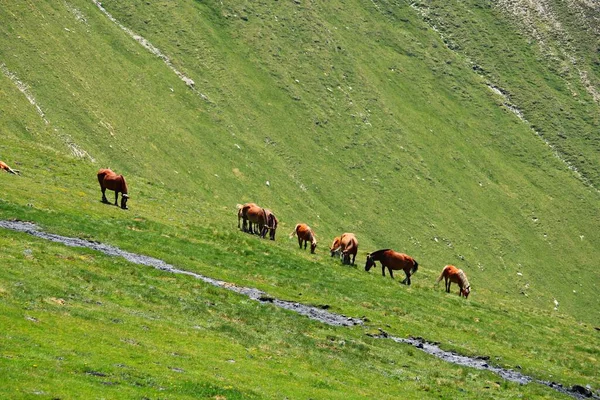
x: 305, y: 234
x: 335, y: 248
x: 347, y: 245
x: 5, y: 167
x: 271, y: 224
x: 452, y: 274
x: 257, y: 216
x: 393, y: 261
x: 111, y: 181
x: 242, y: 210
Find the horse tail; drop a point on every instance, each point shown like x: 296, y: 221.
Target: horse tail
x: 415, y: 267
x: 440, y: 277
x: 294, y: 231
x: 101, y: 175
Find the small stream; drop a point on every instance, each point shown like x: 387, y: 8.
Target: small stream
x: 312, y: 312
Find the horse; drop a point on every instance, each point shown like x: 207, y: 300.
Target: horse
x: 5, y: 167
x: 452, y: 274
x: 305, y: 234
x: 335, y: 248
x: 347, y: 245
x: 111, y: 181
x: 242, y: 209
x: 393, y: 261
x: 271, y: 224
x: 257, y: 216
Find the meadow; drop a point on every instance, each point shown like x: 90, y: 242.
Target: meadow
x: 362, y: 119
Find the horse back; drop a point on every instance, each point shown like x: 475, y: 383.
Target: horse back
x: 349, y: 243
x: 452, y: 274
x: 255, y: 214
x: 102, y: 173
x: 399, y: 260
x: 304, y: 232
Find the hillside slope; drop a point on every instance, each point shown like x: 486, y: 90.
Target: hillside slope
x: 360, y: 116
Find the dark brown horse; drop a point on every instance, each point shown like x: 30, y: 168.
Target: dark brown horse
x: 271, y: 224
x: 111, y: 181
x: 393, y: 261
x: 305, y: 234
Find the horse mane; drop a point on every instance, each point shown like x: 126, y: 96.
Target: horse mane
x: 378, y: 252
x: 463, y: 278
x: 124, y: 185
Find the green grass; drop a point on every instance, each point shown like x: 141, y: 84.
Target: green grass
x: 361, y: 120
x: 83, y: 323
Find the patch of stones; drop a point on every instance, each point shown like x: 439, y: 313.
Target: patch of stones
x: 317, y: 313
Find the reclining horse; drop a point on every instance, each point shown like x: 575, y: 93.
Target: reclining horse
x: 111, y: 181
x: 347, y: 245
x: 393, y: 261
x: 5, y: 167
x: 452, y: 274
x: 305, y: 234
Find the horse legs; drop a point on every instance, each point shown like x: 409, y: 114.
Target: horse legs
x: 300, y: 243
x: 116, y: 198
x: 104, y: 199
x: 382, y: 269
x: 448, y: 283
x: 353, y: 258
x: 391, y: 273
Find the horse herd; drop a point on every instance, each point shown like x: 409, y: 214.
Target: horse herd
x: 257, y: 220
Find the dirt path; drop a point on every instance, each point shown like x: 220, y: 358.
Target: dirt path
x: 312, y: 312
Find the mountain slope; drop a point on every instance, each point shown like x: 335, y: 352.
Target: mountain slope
x: 360, y: 118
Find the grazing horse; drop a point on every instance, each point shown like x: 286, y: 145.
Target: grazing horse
x: 8, y: 169
x: 452, y: 274
x: 336, y: 248
x: 347, y: 245
x: 271, y: 224
x: 111, y: 181
x: 393, y: 261
x: 305, y: 234
x: 257, y: 216
x: 242, y: 210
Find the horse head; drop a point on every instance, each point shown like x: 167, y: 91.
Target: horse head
x: 335, y: 246
x: 124, y: 198
x: 466, y: 291
x: 313, y: 245
x: 370, y: 262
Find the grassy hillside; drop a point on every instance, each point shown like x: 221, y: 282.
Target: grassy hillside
x: 362, y: 119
